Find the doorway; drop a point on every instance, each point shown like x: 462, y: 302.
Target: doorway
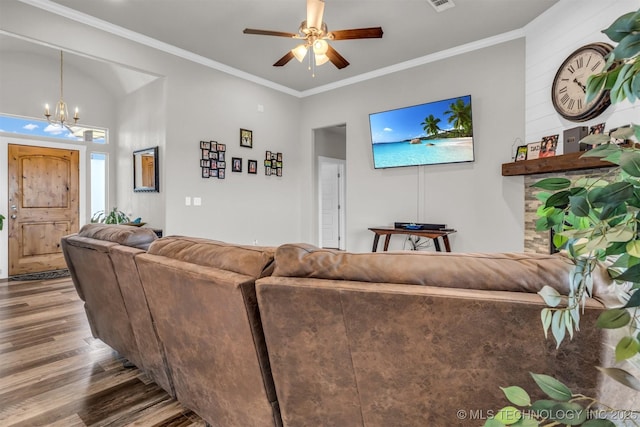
x: 330, y: 153
x: 44, y: 191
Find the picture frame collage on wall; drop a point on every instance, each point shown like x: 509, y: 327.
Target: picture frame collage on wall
x: 273, y: 163
x: 213, y: 159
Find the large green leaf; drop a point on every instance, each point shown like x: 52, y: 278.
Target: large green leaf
x: 517, y: 395
x: 620, y: 233
x: 579, y: 206
x: 568, y: 413
x: 508, y: 415
x: 552, y: 184
x: 628, y: 46
x: 559, y: 199
x: 612, y: 193
x: 634, y: 301
x: 632, y: 274
x: 558, y: 327
x: 545, y: 317
x: 613, y: 318
x: 622, y: 376
x: 550, y: 296
x: 623, y: 26
x: 630, y: 162
x: 626, y: 348
x: 552, y: 387
x: 602, y: 150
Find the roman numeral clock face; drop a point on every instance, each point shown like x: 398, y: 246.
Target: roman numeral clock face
x: 570, y: 84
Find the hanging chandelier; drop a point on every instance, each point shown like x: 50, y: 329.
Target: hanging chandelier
x: 61, y: 113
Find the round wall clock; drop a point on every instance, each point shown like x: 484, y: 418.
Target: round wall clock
x: 570, y: 83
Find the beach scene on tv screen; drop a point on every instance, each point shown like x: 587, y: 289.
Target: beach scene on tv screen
x: 426, y: 134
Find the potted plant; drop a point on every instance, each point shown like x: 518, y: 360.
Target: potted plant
x: 113, y: 217
x: 595, y: 220
x: 1, y: 221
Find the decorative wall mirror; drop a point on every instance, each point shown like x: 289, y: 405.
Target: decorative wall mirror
x: 146, y: 170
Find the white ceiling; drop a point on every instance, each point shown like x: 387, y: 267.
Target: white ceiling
x: 213, y: 30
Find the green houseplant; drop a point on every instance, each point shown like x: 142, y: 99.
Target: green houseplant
x: 113, y: 217
x: 595, y: 220
x: 1, y: 221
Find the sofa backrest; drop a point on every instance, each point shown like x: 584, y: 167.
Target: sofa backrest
x: 87, y: 254
x: 201, y: 294
x: 399, y: 343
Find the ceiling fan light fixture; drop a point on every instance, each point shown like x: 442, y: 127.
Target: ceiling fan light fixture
x: 320, y: 47
x: 299, y: 52
x: 321, y: 59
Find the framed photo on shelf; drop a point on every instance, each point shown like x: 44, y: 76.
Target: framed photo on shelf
x: 252, y: 166
x: 521, y: 154
x: 246, y: 138
x: 597, y: 129
x: 533, y: 150
x: 548, y: 146
x: 236, y: 164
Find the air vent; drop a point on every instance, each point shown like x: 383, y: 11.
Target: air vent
x: 440, y: 5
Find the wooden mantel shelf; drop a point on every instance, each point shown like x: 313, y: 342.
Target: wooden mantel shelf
x: 561, y: 163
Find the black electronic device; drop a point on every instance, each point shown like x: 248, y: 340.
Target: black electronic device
x: 419, y: 226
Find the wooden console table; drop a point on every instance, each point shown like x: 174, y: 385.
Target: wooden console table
x: 429, y: 234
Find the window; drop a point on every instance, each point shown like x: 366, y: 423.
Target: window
x: 98, y: 182
x: 42, y: 128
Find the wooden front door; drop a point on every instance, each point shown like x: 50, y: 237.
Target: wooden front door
x: 43, y: 206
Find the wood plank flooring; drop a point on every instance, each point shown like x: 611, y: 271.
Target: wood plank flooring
x: 54, y: 373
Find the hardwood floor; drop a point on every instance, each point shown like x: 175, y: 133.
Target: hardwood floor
x: 54, y: 373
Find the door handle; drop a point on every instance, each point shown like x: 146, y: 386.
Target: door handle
x: 14, y: 207
x: 14, y: 216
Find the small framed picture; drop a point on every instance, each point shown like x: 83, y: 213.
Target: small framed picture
x: 246, y: 138
x: 236, y: 164
x: 279, y: 157
x: 267, y: 171
x: 268, y: 155
x: 279, y: 172
x: 221, y: 156
x: 221, y: 165
x: 521, y: 154
x: 205, y: 163
x: 253, y: 166
x: 205, y: 145
x: 205, y: 172
x: 273, y: 156
x: 213, y: 155
x: 533, y: 150
x: 213, y: 173
x: 267, y: 163
x: 548, y: 146
x: 222, y: 147
x: 221, y: 173
x: 596, y: 129
x: 205, y: 153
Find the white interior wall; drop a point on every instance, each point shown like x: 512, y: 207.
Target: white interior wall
x: 471, y: 197
x: 141, y: 124
x: 550, y: 39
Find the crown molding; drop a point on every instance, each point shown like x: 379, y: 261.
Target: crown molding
x: 91, y: 21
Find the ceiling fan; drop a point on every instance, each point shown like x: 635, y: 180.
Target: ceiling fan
x: 315, y: 34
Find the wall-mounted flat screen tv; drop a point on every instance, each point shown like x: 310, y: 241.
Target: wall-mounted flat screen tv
x: 426, y: 134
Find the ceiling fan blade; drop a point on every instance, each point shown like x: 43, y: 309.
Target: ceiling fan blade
x: 284, y: 60
x: 268, y: 33
x: 358, y: 33
x: 315, y: 12
x: 336, y: 59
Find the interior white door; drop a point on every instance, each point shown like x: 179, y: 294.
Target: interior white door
x: 331, y: 210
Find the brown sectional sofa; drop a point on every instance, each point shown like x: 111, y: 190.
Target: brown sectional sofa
x: 101, y: 262
x: 301, y: 336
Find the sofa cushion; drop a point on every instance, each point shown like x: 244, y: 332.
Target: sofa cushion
x: 253, y: 261
x: 520, y: 272
x: 123, y: 234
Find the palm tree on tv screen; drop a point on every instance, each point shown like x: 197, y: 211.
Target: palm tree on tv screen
x: 460, y: 116
x: 430, y: 125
